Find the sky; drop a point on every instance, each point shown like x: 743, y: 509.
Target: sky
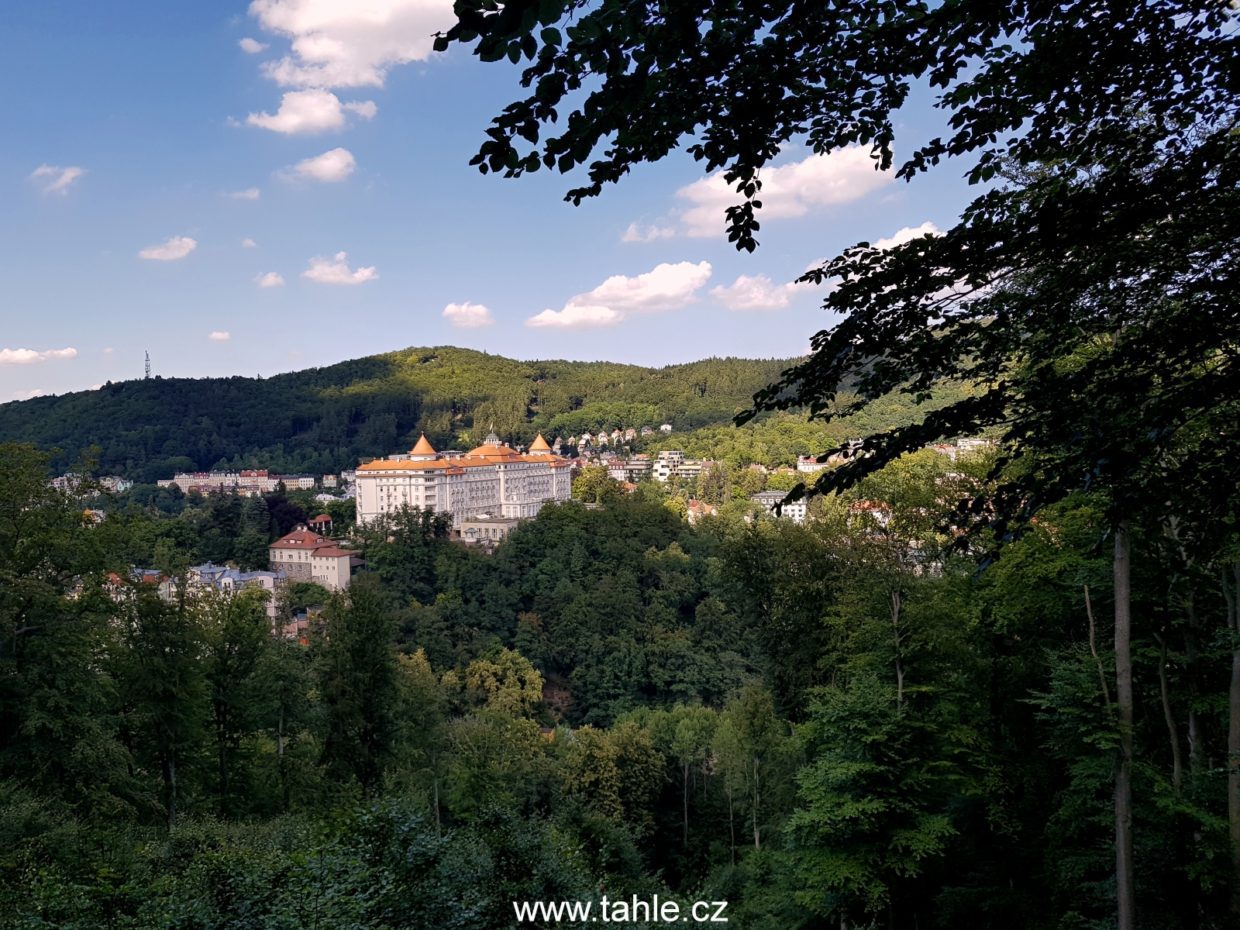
x: 244, y: 189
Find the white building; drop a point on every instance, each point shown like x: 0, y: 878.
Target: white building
x: 305, y: 555
x: 667, y: 464
x: 492, y: 480
x: 809, y: 464
x: 795, y: 511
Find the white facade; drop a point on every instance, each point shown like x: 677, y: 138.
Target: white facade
x: 796, y: 511
x: 249, y: 482
x: 492, y: 480
x: 667, y: 464
x: 809, y: 464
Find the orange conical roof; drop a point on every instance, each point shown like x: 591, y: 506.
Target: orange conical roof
x: 539, y: 445
x: 423, y: 447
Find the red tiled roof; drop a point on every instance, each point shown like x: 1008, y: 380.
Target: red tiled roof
x: 301, y: 539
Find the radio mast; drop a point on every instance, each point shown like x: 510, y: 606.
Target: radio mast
x: 148, y: 366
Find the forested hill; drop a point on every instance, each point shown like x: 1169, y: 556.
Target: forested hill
x: 325, y: 419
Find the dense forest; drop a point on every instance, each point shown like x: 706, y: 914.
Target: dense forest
x: 326, y: 419
x: 991, y: 692
x: 841, y: 718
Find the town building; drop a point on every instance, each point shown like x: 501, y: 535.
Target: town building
x: 229, y: 581
x: 690, y: 468
x: 487, y: 532
x: 966, y: 447
x: 809, y: 464
x: 695, y: 510
x: 635, y: 469
x: 796, y: 511
x: 321, y: 524
x: 492, y: 480
x: 667, y: 464
x: 305, y: 555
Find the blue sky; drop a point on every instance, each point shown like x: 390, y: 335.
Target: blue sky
x: 165, y: 161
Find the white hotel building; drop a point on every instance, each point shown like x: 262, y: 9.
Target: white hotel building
x: 492, y: 479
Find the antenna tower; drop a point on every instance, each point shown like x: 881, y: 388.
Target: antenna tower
x: 148, y: 366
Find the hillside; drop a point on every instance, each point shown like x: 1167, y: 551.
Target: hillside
x: 325, y: 419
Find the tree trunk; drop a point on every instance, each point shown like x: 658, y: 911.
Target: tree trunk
x: 1173, y: 729
x: 731, y: 824
x: 282, y: 763
x: 1231, y: 591
x: 170, y: 788
x: 221, y: 755
x: 684, y: 838
x: 1125, y: 895
x: 895, y: 626
x: 757, y: 837
x: 435, y: 789
x: 1196, y: 746
x: 1196, y: 749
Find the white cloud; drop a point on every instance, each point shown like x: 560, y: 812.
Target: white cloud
x: 336, y: 270
x: 175, y: 248
x: 333, y: 165
x: 252, y: 46
x: 270, y: 279
x: 219, y: 335
x: 248, y: 243
x: 899, y: 237
x: 311, y: 111
x: 758, y: 292
x: 349, y: 43
x: 908, y: 234
x: 30, y: 394
x: 638, y: 233
x: 574, y: 315
x: 468, y: 316
x: 250, y: 193
x: 34, y: 356
x: 665, y: 287
x: 108, y: 350
x: 56, y: 179
x: 790, y: 190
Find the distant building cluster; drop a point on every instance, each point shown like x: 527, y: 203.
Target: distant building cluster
x: 670, y: 463
x: 492, y: 480
x: 617, y: 437
x: 962, y: 447
x: 307, y: 554
x: 247, y: 482
x: 72, y: 482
